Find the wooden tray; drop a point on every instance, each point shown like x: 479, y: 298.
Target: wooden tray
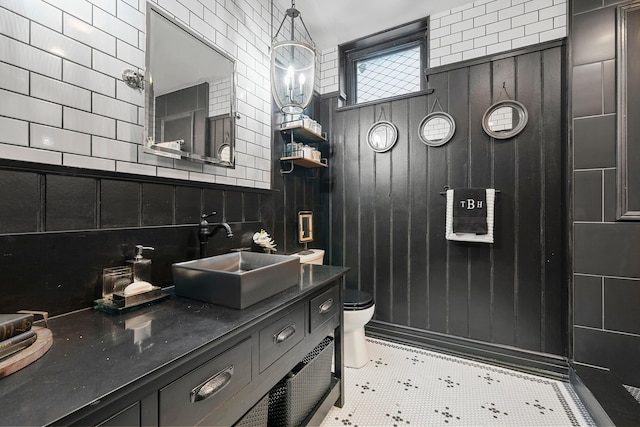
x: 44, y: 340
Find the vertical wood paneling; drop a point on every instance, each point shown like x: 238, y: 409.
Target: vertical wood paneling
x: 382, y: 179
x: 299, y: 190
x: 480, y: 167
x: 389, y: 217
x: 554, y: 297
x: 352, y: 187
x: 505, y: 179
x: 529, y: 240
x: 437, y: 179
x: 338, y: 195
x: 458, y: 160
x: 301, y: 183
x: 400, y: 212
x: 367, y: 203
x: 278, y: 182
x: 418, y: 212
x: 326, y: 115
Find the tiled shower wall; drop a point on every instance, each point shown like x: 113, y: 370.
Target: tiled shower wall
x: 606, y: 271
x: 479, y: 28
x: 63, y: 102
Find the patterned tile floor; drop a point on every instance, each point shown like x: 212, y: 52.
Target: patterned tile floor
x: 406, y: 386
x: 634, y: 391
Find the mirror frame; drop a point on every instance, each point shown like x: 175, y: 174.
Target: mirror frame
x: 517, y: 106
x: 627, y: 144
x: 437, y: 115
x: 302, y: 216
x: 390, y: 141
x: 150, y: 121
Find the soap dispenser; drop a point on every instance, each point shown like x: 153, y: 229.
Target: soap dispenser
x: 140, y: 266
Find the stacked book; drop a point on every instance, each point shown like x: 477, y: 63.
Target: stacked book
x: 15, y: 333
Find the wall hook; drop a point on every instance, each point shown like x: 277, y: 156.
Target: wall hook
x: 133, y: 79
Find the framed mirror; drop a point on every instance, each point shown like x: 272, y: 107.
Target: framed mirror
x: 190, y: 94
x: 381, y: 136
x: 305, y: 226
x: 505, y: 119
x: 437, y: 129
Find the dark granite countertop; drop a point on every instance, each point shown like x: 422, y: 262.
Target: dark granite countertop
x: 96, y: 355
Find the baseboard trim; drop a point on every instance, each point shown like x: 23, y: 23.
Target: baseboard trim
x: 543, y: 364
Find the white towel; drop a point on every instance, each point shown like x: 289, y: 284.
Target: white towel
x: 471, y: 237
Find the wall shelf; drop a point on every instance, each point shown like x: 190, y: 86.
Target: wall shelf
x: 305, y: 162
x: 301, y: 133
x: 302, y: 162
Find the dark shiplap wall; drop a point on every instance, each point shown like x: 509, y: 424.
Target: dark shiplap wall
x: 606, y: 267
x: 387, y: 216
x: 297, y: 191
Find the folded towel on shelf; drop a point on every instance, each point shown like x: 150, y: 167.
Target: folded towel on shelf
x: 469, y: 226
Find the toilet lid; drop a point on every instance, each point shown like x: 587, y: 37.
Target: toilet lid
x: 357, y: 300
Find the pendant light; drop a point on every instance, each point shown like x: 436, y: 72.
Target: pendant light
x: 292, y: 68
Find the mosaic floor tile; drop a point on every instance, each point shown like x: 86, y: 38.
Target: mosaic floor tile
x: 406, y: 386
x: 634, y: 391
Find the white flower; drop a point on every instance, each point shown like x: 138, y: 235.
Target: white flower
x: 263, y: 239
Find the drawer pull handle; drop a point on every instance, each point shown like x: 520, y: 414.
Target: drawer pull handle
x: 325, y: 306
x: 213, y: 385
x: 285, y: 334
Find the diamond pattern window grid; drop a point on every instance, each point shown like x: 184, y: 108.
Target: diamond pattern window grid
x: 397, y: 73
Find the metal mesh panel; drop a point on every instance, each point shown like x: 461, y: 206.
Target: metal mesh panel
x: 396, y: 73
x: 258, y: 416
x: 294, y: 397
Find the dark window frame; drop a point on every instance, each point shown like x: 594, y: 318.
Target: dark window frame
x: 397, y: 38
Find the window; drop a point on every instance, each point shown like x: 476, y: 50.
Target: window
x: 395, y: 73
x: 384, y: 65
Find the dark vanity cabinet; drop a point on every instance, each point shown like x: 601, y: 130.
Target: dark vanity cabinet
x: 181, y: 362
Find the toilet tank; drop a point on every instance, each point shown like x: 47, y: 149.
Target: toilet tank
x: 311, y: 256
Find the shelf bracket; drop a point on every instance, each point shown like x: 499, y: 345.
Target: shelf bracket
x: 284, y: 172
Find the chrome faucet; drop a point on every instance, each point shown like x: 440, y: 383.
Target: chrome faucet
x: 204, y: 232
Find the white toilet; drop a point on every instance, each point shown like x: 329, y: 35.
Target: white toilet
x: 358, y: 310
x: 311, y: 256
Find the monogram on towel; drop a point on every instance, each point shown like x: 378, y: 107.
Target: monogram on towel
x: 470, y: 210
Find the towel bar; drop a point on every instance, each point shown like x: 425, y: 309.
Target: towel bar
x: 444, y: 193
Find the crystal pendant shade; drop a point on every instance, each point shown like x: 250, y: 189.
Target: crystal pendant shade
x: 292, y: 75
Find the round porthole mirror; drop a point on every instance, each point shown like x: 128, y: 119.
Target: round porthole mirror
x: 505, y: 119
x: 382, y: 136
x: 437, y: 129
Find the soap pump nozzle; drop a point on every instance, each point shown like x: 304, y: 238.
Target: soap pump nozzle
x: 140, y: 266
x: 139, y: 249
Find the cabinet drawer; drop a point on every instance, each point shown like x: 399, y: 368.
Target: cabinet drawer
x: 191, y: 398
x: 127, y: 417
x: 280, y: 336
x: 324, y: 307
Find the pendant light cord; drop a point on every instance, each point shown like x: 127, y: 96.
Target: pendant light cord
x: 293, y: 13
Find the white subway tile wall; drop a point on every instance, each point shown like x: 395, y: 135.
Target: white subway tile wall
x: 219, y: 97
x: 328, y: 70
x: 479, y: 28
x: 62, y: 100
x: 487, y: 27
